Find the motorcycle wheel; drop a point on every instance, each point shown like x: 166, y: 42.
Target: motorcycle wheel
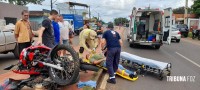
x: 71, y: 67
x: 76, y: 80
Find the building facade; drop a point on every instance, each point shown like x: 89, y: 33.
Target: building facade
x: 10, y: 12
x: 36, y: 18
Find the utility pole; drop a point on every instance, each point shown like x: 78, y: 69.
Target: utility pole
x: 89, y: 13
x: 98, y: 16
x: 186, y: 12
x: 51, y: 4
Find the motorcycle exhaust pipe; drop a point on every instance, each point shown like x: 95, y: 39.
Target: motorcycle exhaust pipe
x: 53, y: 66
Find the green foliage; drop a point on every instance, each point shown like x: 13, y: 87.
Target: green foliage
x: 120, y: 20
x: 23, y: 2
x: 181, y: 10
x: 196, y: 7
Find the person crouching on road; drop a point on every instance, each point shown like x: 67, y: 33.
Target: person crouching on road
x: 88, y: 41
x: 112, y: 40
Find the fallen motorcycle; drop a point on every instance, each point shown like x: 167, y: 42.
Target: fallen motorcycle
x: 48, y: 67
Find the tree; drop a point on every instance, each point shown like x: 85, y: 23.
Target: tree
x: 181, y: 10
x: 118, y: 21
x: 23, y: 2
x: 196, y: 7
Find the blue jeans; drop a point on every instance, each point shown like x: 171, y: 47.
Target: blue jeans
x: 65, y: 42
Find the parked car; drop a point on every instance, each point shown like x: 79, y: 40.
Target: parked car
x: 175, y: 34
x: 7, y: 40
x: 183, y: 28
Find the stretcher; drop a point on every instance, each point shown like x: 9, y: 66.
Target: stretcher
x: 119, y: 74
x: 159, y: 68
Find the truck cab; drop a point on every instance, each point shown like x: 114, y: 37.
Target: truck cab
x: 150, y: 27
x: 75, y: 20
x: 7, y: 39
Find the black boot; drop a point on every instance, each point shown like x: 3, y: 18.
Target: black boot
x: 112, y: 81
x: 132, y: 75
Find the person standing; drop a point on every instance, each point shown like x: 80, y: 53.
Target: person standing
x: 46, y: 32
x: 112, y: 40
x: 99, y: 31
x: 56, y: 30
x: 64, y: 30
x: 23, y: 32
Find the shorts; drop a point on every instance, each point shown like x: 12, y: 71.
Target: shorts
x: 65, y: 42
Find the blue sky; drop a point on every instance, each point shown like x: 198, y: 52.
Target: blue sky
x: 110, y: 9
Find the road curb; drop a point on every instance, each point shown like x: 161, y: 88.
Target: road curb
x: 103, y: 82
x: 96, y: 78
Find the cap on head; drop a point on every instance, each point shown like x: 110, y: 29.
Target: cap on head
x: 110, y: 25
x: 93, y: 34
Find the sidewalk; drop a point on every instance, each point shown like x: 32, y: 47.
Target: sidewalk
x: 190, y: 40
x: 83, y: 76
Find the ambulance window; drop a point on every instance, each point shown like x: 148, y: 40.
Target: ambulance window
x: 167, y: 21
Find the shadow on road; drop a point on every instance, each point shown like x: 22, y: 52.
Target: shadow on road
x: 7, y: 57
x: 144, y: 47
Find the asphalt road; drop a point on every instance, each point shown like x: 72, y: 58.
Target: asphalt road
x: 185, y: 59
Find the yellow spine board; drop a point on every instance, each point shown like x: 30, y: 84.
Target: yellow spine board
x: 121, y: 75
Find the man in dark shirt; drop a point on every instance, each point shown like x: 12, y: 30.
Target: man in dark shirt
x: 46, y: 32
x: 112, y: 40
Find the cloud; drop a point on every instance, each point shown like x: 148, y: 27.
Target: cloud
x: 109, y: 9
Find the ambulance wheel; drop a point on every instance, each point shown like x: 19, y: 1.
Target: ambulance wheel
x: 132, y: 45
x: 157, y: 47
x: 178, y: 40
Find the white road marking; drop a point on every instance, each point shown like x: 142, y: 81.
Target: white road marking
x: 188, y: 59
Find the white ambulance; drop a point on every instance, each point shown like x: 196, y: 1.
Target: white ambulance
x: 150, y: 27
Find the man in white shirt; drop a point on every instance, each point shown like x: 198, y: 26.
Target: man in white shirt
x: 65, y: 27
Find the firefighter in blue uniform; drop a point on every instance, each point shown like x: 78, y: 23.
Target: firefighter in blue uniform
x: 112, y: 40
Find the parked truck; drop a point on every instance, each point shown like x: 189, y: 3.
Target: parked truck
x: 150, y: 27
x: 75, y: 20
x: 7, y: 39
